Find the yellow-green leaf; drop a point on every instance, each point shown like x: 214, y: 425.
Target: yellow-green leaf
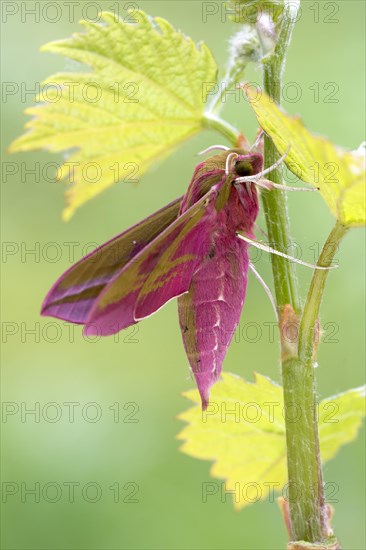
x: 243, y: 433
x: 143, y: 98
x: 340, y: 418
x: 339, y: 174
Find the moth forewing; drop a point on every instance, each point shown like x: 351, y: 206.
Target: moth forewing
x: 75, y: 292
x: 188, y: 250
x: 162, y: 266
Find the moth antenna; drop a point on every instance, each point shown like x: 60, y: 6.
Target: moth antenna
x: 228, y: 159
x: 267, y: 170
x: 256, y: 143
x: 266, y: 289
x: 268, y: 184
x: 271, y: 250
x: 212, y: 148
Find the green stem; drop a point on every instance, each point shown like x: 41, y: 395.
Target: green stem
x: 278, y: 230
x: 307, y: 508
x: 305, y: 489
x: 227, y: 130
x: 275, y: 202
x: 305, y: 480
x: 306, y: 496
x: 311, y: 309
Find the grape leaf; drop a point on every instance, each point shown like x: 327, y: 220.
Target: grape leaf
x: 339, y: 174
x: 340, y: 418
x: 243, y: 432
x: 143, y: 98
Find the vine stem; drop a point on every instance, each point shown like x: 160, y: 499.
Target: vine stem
x: 308, y: 514
x: 214, y: 122
x: 275, y: 201
x: 307, y: 509
x: 311, y: 309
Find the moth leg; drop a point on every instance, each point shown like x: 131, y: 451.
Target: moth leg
x: 271, y: 250
x: 268, y: 184
x: 257, y: 228
x: 258, y: 139
x: 259, y: 180
x: 266, y: 289
x: 258, y: 176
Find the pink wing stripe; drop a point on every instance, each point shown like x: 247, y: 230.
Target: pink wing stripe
x: 177, y: 280
x: 120, y: 313
x: 72, y: 297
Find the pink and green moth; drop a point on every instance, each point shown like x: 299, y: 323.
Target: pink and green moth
x: 189, y: 250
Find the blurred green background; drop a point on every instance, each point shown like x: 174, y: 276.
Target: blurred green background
x: 147, y: 367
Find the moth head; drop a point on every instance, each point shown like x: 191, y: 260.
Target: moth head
x: 249, y: 164
x: 243, y: 167
x: 246, y: 165
x: 243, y: 164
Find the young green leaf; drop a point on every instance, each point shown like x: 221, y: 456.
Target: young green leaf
x: 340, y: 418
x: 144, y: 97
x: 243, y: 432
x: 339, y: 174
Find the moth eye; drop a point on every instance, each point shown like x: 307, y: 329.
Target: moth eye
x: 243, y: 168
